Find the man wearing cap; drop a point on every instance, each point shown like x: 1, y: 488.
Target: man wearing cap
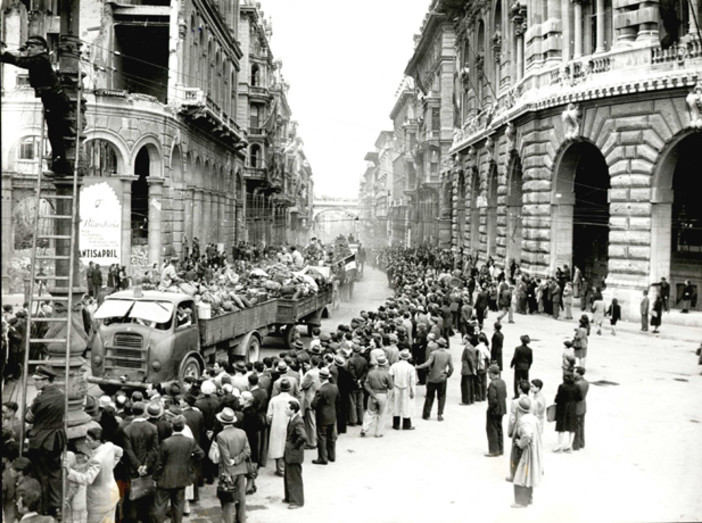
x: 440, y: 367
x: 234, y: 450
x: 378, y: 385
x: 278, y: 421
x: 324, y: 404
x: 497, y: 408
x: 521, y: 362
x: 310, y: 384
x: 45, y: 82
x: 404, y: 379
x: 47, y: 437
x: 140, y: 443
x: 174, y: 471
x: 155, y: 412
x: 530, y: 468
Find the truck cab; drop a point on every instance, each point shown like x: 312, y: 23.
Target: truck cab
x: 145, y: 337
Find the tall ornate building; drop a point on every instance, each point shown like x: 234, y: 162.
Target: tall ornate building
x: 576, y: 140
x: 432, y: 68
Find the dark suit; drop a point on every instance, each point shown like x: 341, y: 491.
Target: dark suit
x: 294, y: 457
x: 324, y: 405
x: 260, y: 403
x: 580, y: 410
x: 469, y: 364
x: 521, y: 362
x: 496, y: 348
x: 140, y: 443
x: 174, y: 472
x: 497, y: 407
x: 46, y: 442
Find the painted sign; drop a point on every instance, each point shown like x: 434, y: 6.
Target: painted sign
x: 100, y: 225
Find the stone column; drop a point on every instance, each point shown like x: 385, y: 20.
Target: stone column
x: 155, y: 216
x: 7, y: 232
x: 207, y: 216
x: 578, y: 30
x: 661, y: 221
x: 600, y: 43
x: 694, y: 14
x: 187, y: 195
x: 565, y: 22
x: 126, y: 254
x: 197, y: 216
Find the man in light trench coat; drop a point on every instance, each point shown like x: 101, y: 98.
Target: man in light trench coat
x: 405, y: 379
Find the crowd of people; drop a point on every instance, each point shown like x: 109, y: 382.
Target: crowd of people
x: 149, y: 453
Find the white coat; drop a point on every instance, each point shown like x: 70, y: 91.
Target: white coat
x: 278, y: 420
x: 405, y: 379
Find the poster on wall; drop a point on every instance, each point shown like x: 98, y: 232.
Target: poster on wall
x: 100, y: 225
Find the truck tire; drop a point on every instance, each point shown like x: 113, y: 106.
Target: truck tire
x: 252, y: 347
x: 109, y: 389
x: 288, y: 334
x: 189, y: 367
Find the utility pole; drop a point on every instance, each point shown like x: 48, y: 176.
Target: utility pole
x: 71, y: 81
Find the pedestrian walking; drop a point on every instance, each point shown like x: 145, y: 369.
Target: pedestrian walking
x: 530, y: 468
x: 657, y: 313
x: 469, y: 363
x: 614, y: 311
x: 295, y: 443
x: 324, y: 405
x: 496, y: 409
x: 644, y: 310
x: 440, y: 368
x: 598, y: 310
x: 404, y: 379
x: 580, y: 341
x: 521, y: 361
x: 496, y: 345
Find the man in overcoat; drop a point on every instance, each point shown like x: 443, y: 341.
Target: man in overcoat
x: 497, y: 408
x: 521, y: 362
x: 580, y: 408
x: 405, y: 384
x: 324, y: 405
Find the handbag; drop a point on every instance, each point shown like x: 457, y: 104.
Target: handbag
x: 142, y: 487
x: 551, y: 413
x: 213, y: 454
x: 251, y: 469
x: 226, y: 489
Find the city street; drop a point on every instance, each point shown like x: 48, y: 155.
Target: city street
x: 641, y: 462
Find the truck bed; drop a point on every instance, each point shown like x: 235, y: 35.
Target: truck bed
x: 292, y: 311
x: 234, y: 324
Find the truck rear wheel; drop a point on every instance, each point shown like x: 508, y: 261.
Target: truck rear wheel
x: 190, y: 367
x: 252, y: 347
x: 289, y: 335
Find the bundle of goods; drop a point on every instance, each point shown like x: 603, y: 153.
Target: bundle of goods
x: 232, y: 292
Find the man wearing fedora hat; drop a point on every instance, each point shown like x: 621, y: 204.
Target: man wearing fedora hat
x: 43, y: 78
x: 47, y: 438
x: 295, y: 444
x: 497, y: 408
x: 405, y: 383
x: 154, y: 411
x: 284, y: 373
x: 310, y: 384
x: 378, y: 384
x: 521, y: 362
x: 234, y: 450
x: 324, y: 405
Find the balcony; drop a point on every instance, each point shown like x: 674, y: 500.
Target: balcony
x: 257, y: 174
x: 260, y: 92
x: 203, y: 112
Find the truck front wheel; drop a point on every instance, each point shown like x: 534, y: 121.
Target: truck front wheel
x: 190, y: 367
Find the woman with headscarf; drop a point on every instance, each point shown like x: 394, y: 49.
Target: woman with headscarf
x: 580, y: 340
x: 566, y: 400
x: 102, y: 492
x: 657, y: 313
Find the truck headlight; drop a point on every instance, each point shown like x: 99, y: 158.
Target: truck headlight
x: 156, y: 365
x: 97, y: 360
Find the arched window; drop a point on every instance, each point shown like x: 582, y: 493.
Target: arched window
x: 102, y: 158
x: 255, y: 156
x: 255, y: 75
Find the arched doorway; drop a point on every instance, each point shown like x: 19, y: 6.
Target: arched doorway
x: 474, y: 212
x: 581, y: 214
x: 140, y: 199
x: 513, y: 240
x: 676, y: 235
x: 460, y: 210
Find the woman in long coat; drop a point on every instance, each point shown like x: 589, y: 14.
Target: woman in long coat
x: 530, y: 467
x: 567, y: 397
x: 102, y: 493
x: 580, y: 340
x: 657, y: 313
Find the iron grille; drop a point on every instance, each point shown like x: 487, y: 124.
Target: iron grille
x: 124, y: 339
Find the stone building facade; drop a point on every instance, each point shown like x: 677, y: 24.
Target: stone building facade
x: 576, y: 141
x: 164, y: 123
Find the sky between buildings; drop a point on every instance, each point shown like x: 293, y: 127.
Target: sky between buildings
x: 344, y: 61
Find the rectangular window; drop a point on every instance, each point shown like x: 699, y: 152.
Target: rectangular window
x: 435, y: 120
x: 27, y: 148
